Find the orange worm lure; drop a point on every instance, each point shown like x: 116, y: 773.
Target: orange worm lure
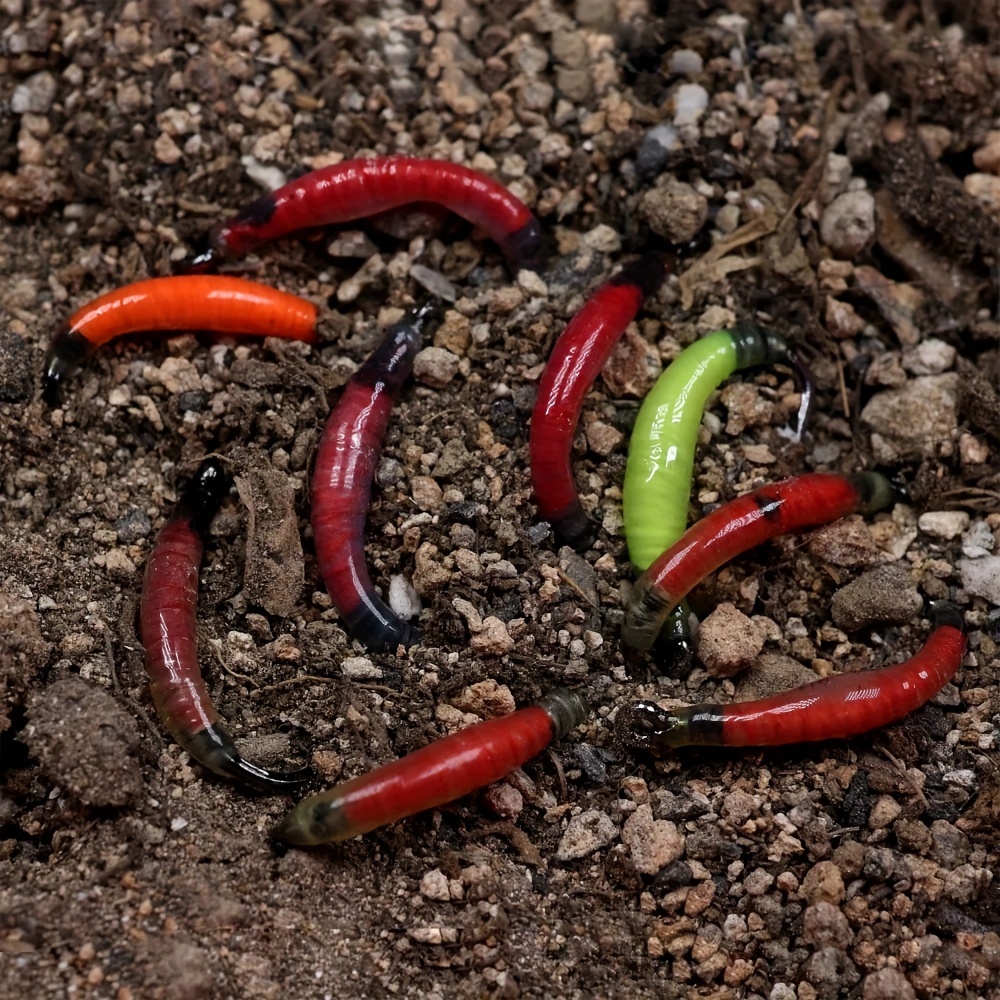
x: 792, y: 505
x: 832, y: 708
x: 433, y: 775
x: 168, y: 626
x: 231, y: 306
x: 358, y: 188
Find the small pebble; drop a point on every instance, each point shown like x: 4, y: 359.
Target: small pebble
x: 887, y: 984
x: 945, y: 524
x: 981, y: 577
x: 674, y: 210
x: 654, y: 843
x: 847, y: 225
x: 728, y: 641
x: 586, y: 833
x: 823, y: 883
x: 690, y: 103
x: 917, y: 421
x: 403, y: 598
x: 435, y: 366
x: 886, y: 594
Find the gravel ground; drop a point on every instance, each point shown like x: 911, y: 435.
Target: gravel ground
x: 848, y: 159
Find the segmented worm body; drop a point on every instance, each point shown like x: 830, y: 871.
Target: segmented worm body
x: 355, y: 189
x: 168, y: 622
x: 835, y: 707
x: 433, y: 775
x: 213, y: 303
x: 576, y: 360
x: 792, y: 505
x: 658, y: 473
x: 342, y: 481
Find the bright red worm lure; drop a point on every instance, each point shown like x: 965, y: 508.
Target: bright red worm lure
x: 342, y: 481
x: 168, y: 623
x: 433, y: 775
x: 358, y: 188
x: 577, y: 358
x: 792, y: 505
x: 835, y: 707
x: 219, y: 304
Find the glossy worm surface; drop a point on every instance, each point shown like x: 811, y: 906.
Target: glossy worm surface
x: 792, y: 505
x: 660, y: 465
x: 433, y: 775
x: 168, y: 627
x: 191, y: 302
x: 342, y: 482
x: 576, y: 360
x: 358, y: 188
x: 835, y: 707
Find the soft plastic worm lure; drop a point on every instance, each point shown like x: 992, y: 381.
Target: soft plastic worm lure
x: 342, y: 482
x: 168, y: 625
x: 223, y: 305
x: 433, y: 775
x: 576, y: 360
x: 792, y: 505
x: 358, y: 188
x: 835, y: 707
x: 658, y: 473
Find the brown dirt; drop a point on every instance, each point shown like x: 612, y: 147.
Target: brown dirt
x: 827, y: 871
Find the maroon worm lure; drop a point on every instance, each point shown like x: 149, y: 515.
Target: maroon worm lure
x: 215, y: 303
x: 342, y: 482
x: 433, y: 775
x: 835, y: 707
x: 577, y: 358
x: 355, y: 189
x: 168, y: 626
x: 792, y: 505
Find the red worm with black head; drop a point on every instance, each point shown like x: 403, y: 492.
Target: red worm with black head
x: 358, y: 188
x: 215, y: 303
x: 168, y: 626
x: 433, y: 775
x: 342, y: 481
x: 792, y: 505
x: 836, y: 707
x: 577, y: 358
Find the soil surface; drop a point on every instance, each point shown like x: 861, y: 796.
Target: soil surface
x: 844, y: 161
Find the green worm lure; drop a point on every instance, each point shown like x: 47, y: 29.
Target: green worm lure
x: 660, y: 462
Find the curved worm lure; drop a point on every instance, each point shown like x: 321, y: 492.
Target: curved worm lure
x: 358, y: 188
x: 661, y: 449
x: 577, y: 358
x: 190, y: 302
x: 835, y: 707
x: 433, y: 775
x: 168, y: 622
x: 792, y: 505
x: 342, y: 482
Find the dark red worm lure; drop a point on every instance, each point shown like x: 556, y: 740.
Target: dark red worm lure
x: 168, y: 622
x: 792, y: 505
x: 355, y: 189
x: 342, y: 481
x: 833, y: 708
x: 190, y: 302
x: 433, y: 775
x: 577, y: 358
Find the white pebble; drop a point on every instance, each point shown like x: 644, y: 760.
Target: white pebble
x: 943, y: 523
x: 403, y: 599
x: 269, y: 178
x: 686, y: 62
x: 848, y: 223
x: 690, y: 103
